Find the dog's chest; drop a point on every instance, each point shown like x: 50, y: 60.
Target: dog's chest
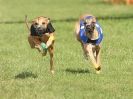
x: 95, y: 35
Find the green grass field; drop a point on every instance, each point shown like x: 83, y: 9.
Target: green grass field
x: 24, y: 73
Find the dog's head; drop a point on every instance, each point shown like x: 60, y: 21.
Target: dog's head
x: 89, y: 23
x: 40, y: 24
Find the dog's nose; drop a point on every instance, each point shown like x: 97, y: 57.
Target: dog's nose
x: 39, y: 27
x: 88, y: 26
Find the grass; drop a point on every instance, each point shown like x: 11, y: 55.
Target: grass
x: 24, y: 74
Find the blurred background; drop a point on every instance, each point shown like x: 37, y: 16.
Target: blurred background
x: 62, y: 9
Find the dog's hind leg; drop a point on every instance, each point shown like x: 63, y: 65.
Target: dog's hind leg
x: 76, y: 31
x: 77, y: 34
x: 51, y: 53
x: 31, y: 42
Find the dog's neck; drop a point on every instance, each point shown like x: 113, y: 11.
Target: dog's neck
x: 94, y: 35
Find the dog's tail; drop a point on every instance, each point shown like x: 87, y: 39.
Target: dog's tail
x: 26, y: 22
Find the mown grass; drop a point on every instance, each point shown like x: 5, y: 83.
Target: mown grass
x: 24, y: 73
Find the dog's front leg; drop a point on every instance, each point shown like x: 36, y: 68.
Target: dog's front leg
x: 98, y: 52
x: 91, y: 55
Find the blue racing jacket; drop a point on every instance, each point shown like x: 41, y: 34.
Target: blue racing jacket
x: 85, y: 39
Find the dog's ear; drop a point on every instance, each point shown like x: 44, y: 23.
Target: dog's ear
x: 33, y: 21
x: 94, y: 20
x: 48, y: 20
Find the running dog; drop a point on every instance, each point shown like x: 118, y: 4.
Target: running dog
x: 41, y: 37
x: 89, y: 34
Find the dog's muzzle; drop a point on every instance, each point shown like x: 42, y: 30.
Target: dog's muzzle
x: 39, y: 30
x: 90, y: 28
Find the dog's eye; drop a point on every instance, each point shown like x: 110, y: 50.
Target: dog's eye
x: 85, y: 23
x: 43, y: 22
x: 36, y: 23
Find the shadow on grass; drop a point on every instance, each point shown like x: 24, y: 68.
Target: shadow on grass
x: 75, y: 71
x: 24, y: 75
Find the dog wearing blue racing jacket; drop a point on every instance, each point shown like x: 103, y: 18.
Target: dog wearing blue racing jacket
x: 89, y: 34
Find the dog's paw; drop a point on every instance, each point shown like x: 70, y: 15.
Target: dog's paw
x: 44, y: 53
x: 98, y: 72
x: 52, y: 72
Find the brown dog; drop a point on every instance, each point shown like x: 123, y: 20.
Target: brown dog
x: 41, y: 37
x: 89, y: 34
